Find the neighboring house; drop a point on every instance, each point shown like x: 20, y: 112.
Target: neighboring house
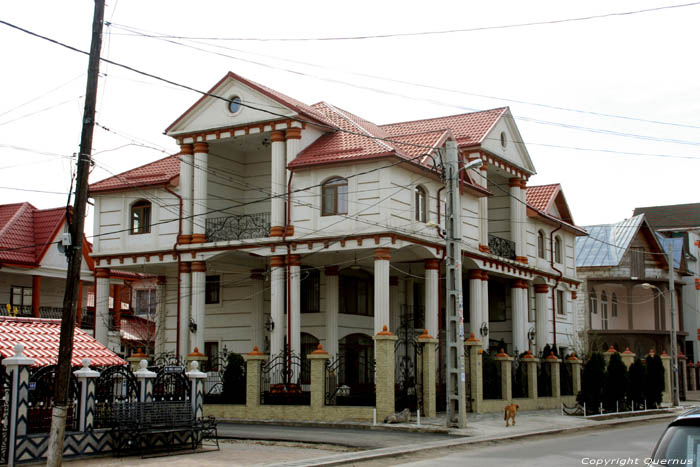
x: 681, y: 222
x: 356, y: 248
x: 32, y: 269
x: 618, y: 263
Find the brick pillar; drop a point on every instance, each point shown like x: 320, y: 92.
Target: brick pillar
x: 318, y: 358
x: 197, y: 398
x: 506, y: 375
x: 531, y: 362
x: 86, y: 378
x: 575, y: 372
x: 254, y: 361
x: 628, y: 357
x: 429, y: 344
x: 145, y: 379
x: 666, y: 395
x: 384, y: 372
x: 18, y: 372
x: 554, y: 372
x: 475, y: 372
x: 692, y: 384
x: 682, y: 376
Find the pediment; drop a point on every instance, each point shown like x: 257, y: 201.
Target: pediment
x: 514, y: 150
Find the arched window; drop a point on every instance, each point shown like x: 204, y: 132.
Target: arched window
x: 356, y: 290
x: 604, y: 310
x: 334, y: 197
x: 421, y: 204
x: 141, y: 217
x: 540, y: 244
x: 557, y: 249
x: 613, y: 311
x: 593, y: 302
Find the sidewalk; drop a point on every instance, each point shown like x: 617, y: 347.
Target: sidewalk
x: 481, y: 428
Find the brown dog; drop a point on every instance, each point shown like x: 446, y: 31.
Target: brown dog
x: 510, y: 412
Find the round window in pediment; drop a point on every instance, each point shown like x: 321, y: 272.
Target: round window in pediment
x: 234, y: 104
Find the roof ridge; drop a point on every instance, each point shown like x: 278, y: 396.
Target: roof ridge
x: 501, y: 109
x: 376, y: 138
x: 122, y: 174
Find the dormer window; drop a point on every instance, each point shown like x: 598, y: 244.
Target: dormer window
x: 421, y: 204
x: 141, y: 217
x: 334, y: 197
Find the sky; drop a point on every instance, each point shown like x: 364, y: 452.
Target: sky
x: 608, y: 107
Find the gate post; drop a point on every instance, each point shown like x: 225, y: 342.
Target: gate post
x: 506, y: 375
x: 145, y: 378
x: 691, y: 376
x: 318, y: 358
x: 628, y: 357
x: 197, y: 377
x: 554, y: 374
x: 384, y: 372
x: 86, y: 377
x: 18, y: 367
x: 531, y: 362
x: 254, y: 361
x: 666, y: 395
x: 476, y: 372
x: 429, y: 373
x: 575, y: 363
x: 135, y: 360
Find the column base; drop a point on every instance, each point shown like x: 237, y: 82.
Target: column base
x: 276, y: 231
x: 521, y: 259
x: 198, y: 238
x: 184, y: 239
x: 484, y: 248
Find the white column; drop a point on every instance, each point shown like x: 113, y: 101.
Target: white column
x: 484, y: 212
x: 523, y: 218
x: 474, y: 301
x: 294, y: 335
x: 382, y: 256
x: 161, y: 315
x: 395, y: 318
x: 186, y: 174
x: 277, y: 278
x: 279, y: 183
x: 199, y: 204
x: 485, y: 308
x: 515, y: 219
x: 257, y: 303
x: 519, y: 316
x: 185, y: 299
x: 431, y: 296
x: 541, y: 293
x: 293, y: 137
x: 199, y: 280
x: 332, y: 304
x: 102, y: 306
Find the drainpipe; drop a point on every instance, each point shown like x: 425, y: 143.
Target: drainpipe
x: 439, y: 230
x: 554, y: 290
x: 179, y: 261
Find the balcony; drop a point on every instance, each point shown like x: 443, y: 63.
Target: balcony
x: 501, y: 247
x: 48, y: 312
x: 238, y: 227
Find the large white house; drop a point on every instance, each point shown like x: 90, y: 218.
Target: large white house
x: 280, y: 223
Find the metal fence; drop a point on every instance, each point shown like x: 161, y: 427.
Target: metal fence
x: 492, y: 388
x: 226, y: 379
x: 115, y: 386
x: 544, y: 379
x: 519, y: 378
x: 42, y: 382
x: 47, y: 312
x: 281, y: 380
x: 349, y: 386
x: 566, y: 379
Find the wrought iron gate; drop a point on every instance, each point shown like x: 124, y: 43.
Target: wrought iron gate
x: 409, y: 368
x: 171, y: 384
x: 115, y: 385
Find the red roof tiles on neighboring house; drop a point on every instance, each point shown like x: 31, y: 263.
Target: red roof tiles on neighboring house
x: 41, y: 338
x: 541, y: 197
x: 26, y: 232
x: 159, y: 172
x: 540, y: 200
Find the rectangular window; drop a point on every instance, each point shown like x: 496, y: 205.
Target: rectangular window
x: 211, y: 350
x: 637, y: 262
x: 561, y: 303
x: 211, y: 294
x: 145, y: 302
x: 20, y: 296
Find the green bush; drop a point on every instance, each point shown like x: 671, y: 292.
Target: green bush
x: 637, y: 379
x: 592, y: 380
x: 654, y: 382
x: 616, y: 383
x: 234, y: 379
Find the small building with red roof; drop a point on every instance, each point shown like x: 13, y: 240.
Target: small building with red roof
x: 282, y: 224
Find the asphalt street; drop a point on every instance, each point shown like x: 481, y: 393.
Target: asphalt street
x: 630, y: 441
x: 360, y: 438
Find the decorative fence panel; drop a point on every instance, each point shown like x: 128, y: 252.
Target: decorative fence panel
x: 238, y: 227
x: 226, y: 379
x: 115, y: 386
x: 519, y: 378
x: 492, y: 388
x: 42, y: 382
x: 409, y: 364
x: 566, y: 379
x: 5, y: 397
x: 281, y: 380
x: 544, y: 379
x: 171, y: 384
x: 342, y: 388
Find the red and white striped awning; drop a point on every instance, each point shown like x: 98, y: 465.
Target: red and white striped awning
x: 41, y: 338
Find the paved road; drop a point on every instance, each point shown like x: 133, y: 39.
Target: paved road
x: 360, y: 438
x: 631, y: 441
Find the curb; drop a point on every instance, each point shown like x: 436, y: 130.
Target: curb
x: 342, y: 425
x: 346, y: 458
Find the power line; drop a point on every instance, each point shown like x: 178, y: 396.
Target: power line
x: 439, y: 32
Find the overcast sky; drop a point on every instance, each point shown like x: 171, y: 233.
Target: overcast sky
x: 643, y: 67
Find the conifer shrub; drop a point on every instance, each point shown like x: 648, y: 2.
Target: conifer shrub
x: 592, y: 380
x: 234, y: 379
x: 637, y: 379
x: 654, y: 382
x: 616, y: 384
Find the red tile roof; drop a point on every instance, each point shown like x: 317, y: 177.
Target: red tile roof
x: 541, y: 197
x: 26, y: 232
x: 41, y: 337
x: 540, y: 200
x: 159, y: 172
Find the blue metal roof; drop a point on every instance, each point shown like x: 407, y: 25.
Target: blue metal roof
x: 606, y: 244
x: 677, y: 248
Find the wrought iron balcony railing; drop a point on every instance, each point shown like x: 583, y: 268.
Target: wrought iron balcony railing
x: 501, y: 247
x: 50, y: 312
x: 238, y: 227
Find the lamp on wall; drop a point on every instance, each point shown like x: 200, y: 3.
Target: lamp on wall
x: 484, y: 329
x: 531, y: 334
x: 193, y: 326
x: 269, y: 324
x: 355, y: 266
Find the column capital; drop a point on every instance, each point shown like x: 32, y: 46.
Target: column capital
x: 257, y: 274
x: 431, y: 263
x: 277, y: 137
x: 484, y: 276
x: 293, y: 133
x: 186, y: 149
x: 332, y: 270
x: 382, y: 254
x: 514, y: 182
x: 102, y: 273
x: 541, y: 288
x: 475, y: 274
x: 276, y: 261
x: 185, y: 267
x: 201, y: 147
x: 294, y: 260
x: 199, y: 266
x: 523, y: 183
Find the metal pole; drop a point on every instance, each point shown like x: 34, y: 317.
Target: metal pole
x: 456, y: 377
x: 674, y: 343
x: 75, y: 251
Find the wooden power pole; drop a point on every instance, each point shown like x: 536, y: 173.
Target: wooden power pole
x: 75, y: 250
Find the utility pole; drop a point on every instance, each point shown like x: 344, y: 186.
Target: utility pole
x: 456, y: 377
x: 674, y: 342
x: 74, y: 253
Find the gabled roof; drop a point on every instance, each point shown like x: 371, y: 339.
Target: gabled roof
x: 41, y: 338
x: 302, y: 109
x: 543, y: 199
x: 27, y: 232
x: 154, y: 173
x: 607, y: 244
x: 677, y: 216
